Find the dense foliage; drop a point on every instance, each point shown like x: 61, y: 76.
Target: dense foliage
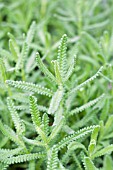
x: 56, y: 109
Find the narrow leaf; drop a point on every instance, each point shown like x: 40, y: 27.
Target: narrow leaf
x: 30, y: 87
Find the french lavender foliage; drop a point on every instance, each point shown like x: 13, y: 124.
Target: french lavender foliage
x: 49, y: 138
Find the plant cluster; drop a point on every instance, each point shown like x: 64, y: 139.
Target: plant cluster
x: 56, y: 96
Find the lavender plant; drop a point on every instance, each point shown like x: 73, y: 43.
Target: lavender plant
x: 56, y: 105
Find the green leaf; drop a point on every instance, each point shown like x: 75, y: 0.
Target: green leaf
x: 8, y: 132
x: 89, y: 164
x: 103, y: 151
x: 34, y: 111
x: 30, y: 87
x: 108, y: 124
x: 3, y: 70
x: 76, y: 145
x: 87, y: 105
x: 71, y: 69
x: 55, y: 101
x: 16, y: 119
x: 33, y: 142
x: 105, y: 110
x: 6, y: 153
x: 43, y: 68
x: 93, y: 140
x: 57, y: 72
x: 108, y: 163
x: 31, y: 32
x: 52, y: 162
x: 61, y: 58
x: 23, y: 158
x: 14, y: 49
x: 36, y: 118
x: 22, y: 57
x: 87, y: 81
x: 45, y: 123
x: 77, y: 135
